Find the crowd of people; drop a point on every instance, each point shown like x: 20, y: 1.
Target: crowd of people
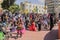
x: 20, y: 22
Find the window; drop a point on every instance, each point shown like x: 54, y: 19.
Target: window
x: 26, y: 5
x: 30, y: 5
x: 39, y: 10
x: 30, y: 10
x: 56, y: 1
x: 33, y: 5
x: 39, y: 6
x: 42, y: 10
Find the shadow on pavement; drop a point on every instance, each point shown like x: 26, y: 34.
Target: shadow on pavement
x: 52, y: 35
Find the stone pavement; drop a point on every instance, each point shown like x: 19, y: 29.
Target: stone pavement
x: 29, y: 35
x: 55, y: 27
x: 39, y: 35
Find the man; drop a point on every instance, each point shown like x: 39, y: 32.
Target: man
x: 39, y: 25
x: 51, y: 21
x: 59, y: 15
x: 26, y: 22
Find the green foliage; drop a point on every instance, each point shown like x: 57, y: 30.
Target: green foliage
x: 35, y: 9
x: 7, y: 3
x: 14, y: 8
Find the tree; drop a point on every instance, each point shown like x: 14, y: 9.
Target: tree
x: 14, y: 8
x: 7, y: 3
x: 35, y: 9
x: 26, y: 11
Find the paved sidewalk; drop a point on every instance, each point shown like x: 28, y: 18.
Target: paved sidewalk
x: 29, y: 35
x: 39, y: 35
x: 55, y: 27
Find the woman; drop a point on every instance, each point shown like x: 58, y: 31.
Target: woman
x: 32, y: 27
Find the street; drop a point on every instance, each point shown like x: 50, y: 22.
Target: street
x: 39, y: 35
x: 31, y: 19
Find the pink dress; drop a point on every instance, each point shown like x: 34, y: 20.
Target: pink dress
x: 22, y: 30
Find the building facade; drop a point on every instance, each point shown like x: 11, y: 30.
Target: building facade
x: 52, y: 5
x: 57, y: 6
x: 1, y: 2
x: 33, y: 8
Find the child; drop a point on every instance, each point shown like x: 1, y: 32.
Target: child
x: 20, y: 28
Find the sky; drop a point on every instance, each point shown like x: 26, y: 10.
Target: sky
x: 41, y: 2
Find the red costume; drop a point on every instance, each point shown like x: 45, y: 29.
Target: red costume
x: 32, y: 27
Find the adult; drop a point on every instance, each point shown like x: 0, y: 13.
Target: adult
x: 39, y: 25
x: 33, y: 26
x: 51, y: 21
